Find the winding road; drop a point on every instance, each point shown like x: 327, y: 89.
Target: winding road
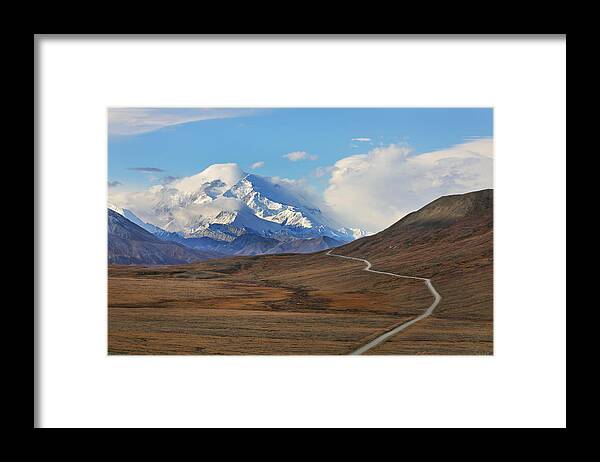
x: 383, y: 337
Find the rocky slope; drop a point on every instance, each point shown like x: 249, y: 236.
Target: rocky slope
x: 130, y: 244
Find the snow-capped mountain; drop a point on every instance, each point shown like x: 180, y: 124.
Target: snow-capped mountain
x: 223, y: 202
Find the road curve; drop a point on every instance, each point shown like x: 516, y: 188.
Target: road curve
x: 383, y: 337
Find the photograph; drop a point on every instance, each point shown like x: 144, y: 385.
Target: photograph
x: 300, y: 231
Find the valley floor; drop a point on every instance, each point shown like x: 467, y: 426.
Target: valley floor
x: 291, y: 305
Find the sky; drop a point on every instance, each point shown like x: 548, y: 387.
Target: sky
x: 368, y: 166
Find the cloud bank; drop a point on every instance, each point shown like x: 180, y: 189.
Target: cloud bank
x: 133, y: 121
x: 374, y: 190
x: 258, y: 164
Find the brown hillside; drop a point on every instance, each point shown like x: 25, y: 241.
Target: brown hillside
x: 450, y: 241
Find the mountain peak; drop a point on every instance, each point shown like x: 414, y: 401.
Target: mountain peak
x: 227, y: 174
x: 224, y: 200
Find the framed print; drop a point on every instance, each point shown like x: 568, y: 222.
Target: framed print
x: 297, y: 232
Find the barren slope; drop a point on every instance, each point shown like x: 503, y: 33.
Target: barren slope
x: 450, y: 241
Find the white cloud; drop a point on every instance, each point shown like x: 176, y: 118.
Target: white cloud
x: 361, y: 139
x: 375, y: 190
x: 133, y: 121
x: 259, y: 164
x: 323, y: 171
x: 299, y: 155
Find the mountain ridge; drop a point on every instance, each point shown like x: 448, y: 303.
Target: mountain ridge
x: 129, y: 243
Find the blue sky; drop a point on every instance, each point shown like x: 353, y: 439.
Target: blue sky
x: 268, y: 134
x: 369, y: 165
